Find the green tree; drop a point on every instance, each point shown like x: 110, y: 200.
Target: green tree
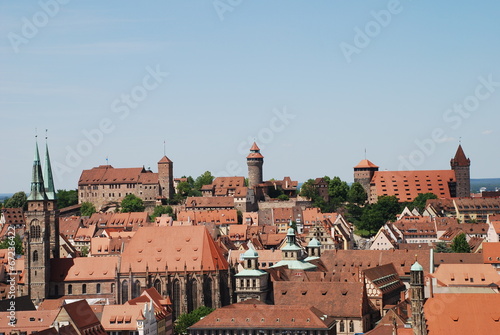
x: 18, y: 243
x: 205, y: 179
x: 371, y: 220
x: 283, y: 197
x: 18, y: 200
x: 132, y: 203
x: 421, y: 199
x: 187, y: 320
x: 87, y: 209
x: 460, y: 244
x: 67, y: 198
x: 441, y: 247
x: 84, y: 252
x: 337, y: 190
x: 357, y: 194
x: 160, y: 210
x: 308, y: 190
x: 388, y: 206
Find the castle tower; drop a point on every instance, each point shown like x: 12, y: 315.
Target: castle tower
x: 255, y: 160
x: 461, y: 165
x: 417, y: 299
x: 251, y: 283
x: 42, y: 234
x: 166, y: 177
x: 363, y: 174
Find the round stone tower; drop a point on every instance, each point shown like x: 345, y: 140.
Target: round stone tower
x: 254, y: 161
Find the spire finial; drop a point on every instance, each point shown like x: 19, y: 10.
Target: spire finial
x: 164, y: 150
x: 365, y: 153
x: 36, y: 134
x: 46, y: 130
x: 460, y: 140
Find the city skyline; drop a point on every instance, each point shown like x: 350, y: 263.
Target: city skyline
x: 314, y: 86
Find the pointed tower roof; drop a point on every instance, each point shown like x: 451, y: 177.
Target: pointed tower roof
x: 460, y: 159
x: 164, y: 159
x: 255, y: 152
x: 37, y: 186
x: 254, y: 147
x: 47, y: 176
x: 365, y: 163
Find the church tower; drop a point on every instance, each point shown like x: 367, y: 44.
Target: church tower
x: 166, y: 177
x: 461, y: 165
x: 42, y: 233
x: 255, y: 160
x: 417, y: 299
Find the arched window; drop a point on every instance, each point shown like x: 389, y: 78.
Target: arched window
x: 98, y: 288
x: 70, y: 289
x: 136, y: 289
x: 84, y: 289
x: 207, y: 291
x: 157, y: 285
x: 342, y: 326
x: 35, y: 231
x: 124, y: 291
x: 351, y: 326
x: 192, y: 295
x: 177, y: 297
x: 35, y: 256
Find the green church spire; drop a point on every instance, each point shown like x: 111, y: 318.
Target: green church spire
x: 37, y: 187
x: 47, y: 174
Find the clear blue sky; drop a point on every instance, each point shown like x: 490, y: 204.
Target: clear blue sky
x: 350, y: 76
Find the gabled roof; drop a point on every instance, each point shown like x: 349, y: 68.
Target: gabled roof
x: 333, y: 298
x: 491, y: 253
x: 254, y: 315
x: 467, y: 275
x: 83, y: 317
x: 164, y: 159
x: 365, y: 163
x: 463, y: 314
x: 82, y: 268
x: 175, y: 247
x: 106, y: 174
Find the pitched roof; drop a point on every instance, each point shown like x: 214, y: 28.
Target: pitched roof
x: 83, y: 268
x: 456, y: 258
x: 254, y: 147
x: 255, y: 315
x: 164, y: 159
x: 463, y: 314
x: 460, y: 159
x: 407, y: 185
x: 28, y: 321
x: 176, y: 247
x: 106, y: 174
x: 333, y: 298
x: 467, y: 275
x: 365, y: 163
x: 210, y: 202
x: 218, y: 216
x: 347, y: 260
x: 83, y: 317
x: 491, y: 253
x: 121, y: 317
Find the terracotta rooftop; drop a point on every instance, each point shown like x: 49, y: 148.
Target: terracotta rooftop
x: 491, y: 253
x: 106, y: 174
x: 333, y: 298
x: 365, y: 163
x: 254, y: 147
x: 255, y: 315
x: 218, y: 216
x: 83, y: 268
x: 407, y: 185
x: 210, y: 202
x: 463, y: 314
x: 121, y: 317
x: 175, y: 247
x: 28, y: 321
x: 164, y: 159
x: 466, y: 275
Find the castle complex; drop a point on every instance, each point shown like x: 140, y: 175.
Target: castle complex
x: 406, y: 185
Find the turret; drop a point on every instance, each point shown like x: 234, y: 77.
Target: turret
x: 255, y: 160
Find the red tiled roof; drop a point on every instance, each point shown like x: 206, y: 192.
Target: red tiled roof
x: 491, y: 253
x: 254, y: 147
x: 83, y: 268
x: 176, y: 247
x: 460, y: 158
x: 407, y: 185
x: 365, y: 163
x: 210, y: 202
x: 466, y: 275
x: 463, y: 314
x: 106, y: 174
x: 164, y: 159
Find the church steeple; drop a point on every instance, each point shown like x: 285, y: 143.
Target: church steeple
x: 48, y: 178
x: 37, y: 184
